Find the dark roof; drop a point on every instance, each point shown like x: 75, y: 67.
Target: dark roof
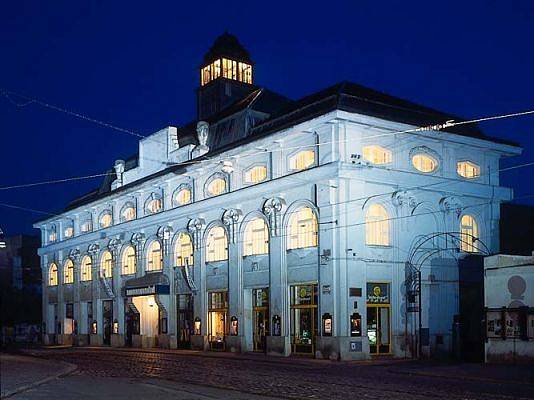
x: 263, y: 112
x: 227, y: 45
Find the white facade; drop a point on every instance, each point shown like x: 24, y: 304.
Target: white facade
x: 340, y: 187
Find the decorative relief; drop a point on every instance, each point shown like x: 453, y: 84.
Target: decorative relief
x: 93, y: 249
x: 164, y: 233
x: 74, y: 255
x: 272, y: 208
x: 114, y: 245
x: 403, y: 198
x: 194, y: 227
x: 230, y: 218
x: 451, y: 204
x: 138, y: 240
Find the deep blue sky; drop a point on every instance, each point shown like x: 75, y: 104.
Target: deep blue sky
x: 135, y: 65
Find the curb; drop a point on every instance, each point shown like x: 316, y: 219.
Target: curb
x: 69, y: 369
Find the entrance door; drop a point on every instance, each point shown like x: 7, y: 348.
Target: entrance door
x: 217, y: 319
x: 378, y: 329
x: 132, y: 326
x: 303, y: 319
x: 184, y: 320
x: 260, y: 318
x: 107, y: 311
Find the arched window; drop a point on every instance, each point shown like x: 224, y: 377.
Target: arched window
x: 106, y: 264
x: 217, y: 245
x: 302, y: 160
x: 106, y: 219
x: 216, y: 187
x: 68, y: 230
x: 377, y: 154
x: 52, y: 234
x: 154, y: 204
x: 52, y: 275
x: 85, y: 271
x: 154, y: 257
x: 184, y: 250
x: 377, y: 226
x: 256, y: 174
x: 128, y: 212
x: 468, y: 169
x: 469, y: 230
x: 128, y: 261
x: 182, y: 196
x: 68, y: 271
x: 256, y: 239
x: 424, y: 162
x: 302, y: 229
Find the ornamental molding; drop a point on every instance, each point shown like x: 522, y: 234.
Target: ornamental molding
x: 451, y: 204
x: 74, y: 254
x: 114, y: 245
x: 138, y: 239
x: 403, y: 198
x: 165, y: 234
x: 230, y: 218
x: 429, y: 152
x: 93, y: 249
x: 272, y: 208
x: 194, y: 227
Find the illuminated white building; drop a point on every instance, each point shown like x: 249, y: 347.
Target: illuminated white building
x: 277, y: 225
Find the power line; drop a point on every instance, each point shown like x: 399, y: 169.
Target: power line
x: 76, y: 178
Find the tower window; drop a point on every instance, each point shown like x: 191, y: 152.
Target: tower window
x: 245, y: 72
x: 229, y: 68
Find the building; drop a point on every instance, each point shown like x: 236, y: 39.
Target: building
x: 20, y: 267
x: 509, y: 302
x: 313, y: 226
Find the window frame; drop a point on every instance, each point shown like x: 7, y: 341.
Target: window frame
x: 180, y: 250
x: 102, y: 215
x: 180, y: 189
x: 215, y: 254
x: 254, y: 245
x: 471, y: 164
x: 68, y: 272
x: 249, y: 171
x: 216, y: 176
x: 301, y: 238
x: 106, y: 265
x: 53, y: 275
x: 469, y: 234
x: 126, y: 267
x: 388, y: 159
x: 152, y: 199
x: 377, y: 227
x: 84, y: 266
x: 150, y: 258
x: 295, y: 155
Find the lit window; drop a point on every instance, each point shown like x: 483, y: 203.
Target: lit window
x: 184, y: 250
x: 52, y: 275
x: 86, y: 226
x: 106, y: 265
x: 216, y: 187
x: 105, y: 220
x: 52, y: 235
x: 245, y: 72
x: 128, y: 261
x: 467, y: 169
x: 469, y: 234
x: 217, y: 245
x: 205, y: 75
x: 128, y: 213
x: 377, y: 226
x: 68, y: 272
x: 86, y: 274
x: 377, y: 154
x: 216, y: 69
x: 154, y: 257
x: 229, y: 69
x: 424, y: 163
x: 182, y: 197
x: 302, y: 229
x: 69, y: 231
x: 302, y: 160
x: 256, y: 239
x: 154, y: 206
x: 256, y: 174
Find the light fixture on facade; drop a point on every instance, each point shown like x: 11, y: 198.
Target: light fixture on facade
x: 2, y: 240
x: 227, y: 167
x: 151, y: 301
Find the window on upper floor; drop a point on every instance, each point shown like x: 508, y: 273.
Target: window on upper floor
x: 256, y: 237
x: 245, y: 72
x: 303, y: 229
x: 106, y: 265
x: 256, y: 174
x: 469, y: 234
x: 424, y: 162
x: 105, y: 219
x: 182, y: 196
x: 68, y: 232
x: 302, y: 160
x: 128, y: 212
x: 52, y: 234
x: 468, y: 169
x: 154, y: 205
x: 377, y: 226
x: 216, y: 244
x: 128, y: 261
x: 216, y: 187
x: 184, y: 250
x: 376, y: 154
x: 68, y: 272
x: 154, y: 257
x: 52, y: 275
x: 86, y: 269
x: 86, y: 226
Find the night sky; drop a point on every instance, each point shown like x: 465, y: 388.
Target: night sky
x: 135, y: 65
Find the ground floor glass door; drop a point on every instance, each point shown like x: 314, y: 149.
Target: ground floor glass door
x: 260, y: 318
x: 378, y: 329
x: 133, y: 324
x: 303, y: 318
x: 107, y: 313
x: 217, y: 319
x: 184, y: 320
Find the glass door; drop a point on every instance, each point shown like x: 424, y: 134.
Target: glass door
x: 184, y: 320
x: 217, y: 319
x: 303, y: 319
x: 378, y: 329
x: 107, y: 308
x: 260, y: 314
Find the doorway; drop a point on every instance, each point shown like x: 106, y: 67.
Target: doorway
x: 378, y: 329
x: 303, y: 319
x: 107, y: 313
x: 133, y: 325
x: 217, y: 319
x: 260, y: 318
x: 184, y: 320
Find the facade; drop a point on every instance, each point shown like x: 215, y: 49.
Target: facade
x: 19, y: 263
x: 509, y: 302
x: 277, y: 225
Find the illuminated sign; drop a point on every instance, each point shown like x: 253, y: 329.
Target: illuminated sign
x: 147, y: 290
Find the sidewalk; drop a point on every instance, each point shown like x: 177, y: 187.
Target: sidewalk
x: 20, y: 373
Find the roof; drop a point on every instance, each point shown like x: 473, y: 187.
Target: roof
x: 227, y: 45
x: 263, y: 112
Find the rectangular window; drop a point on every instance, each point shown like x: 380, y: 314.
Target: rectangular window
x: 217, y: 319
x: 245, y: 72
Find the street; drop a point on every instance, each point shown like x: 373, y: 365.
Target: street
x: 107, y: 373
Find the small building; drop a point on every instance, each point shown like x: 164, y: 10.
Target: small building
x: 509, y: 302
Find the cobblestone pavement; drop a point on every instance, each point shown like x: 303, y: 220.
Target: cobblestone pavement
x: 306, y: 379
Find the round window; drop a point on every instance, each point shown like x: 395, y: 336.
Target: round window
x: 424, y: 163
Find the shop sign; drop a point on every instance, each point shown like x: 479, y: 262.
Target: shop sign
x: 378, y: 293
x: 147, y: 290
